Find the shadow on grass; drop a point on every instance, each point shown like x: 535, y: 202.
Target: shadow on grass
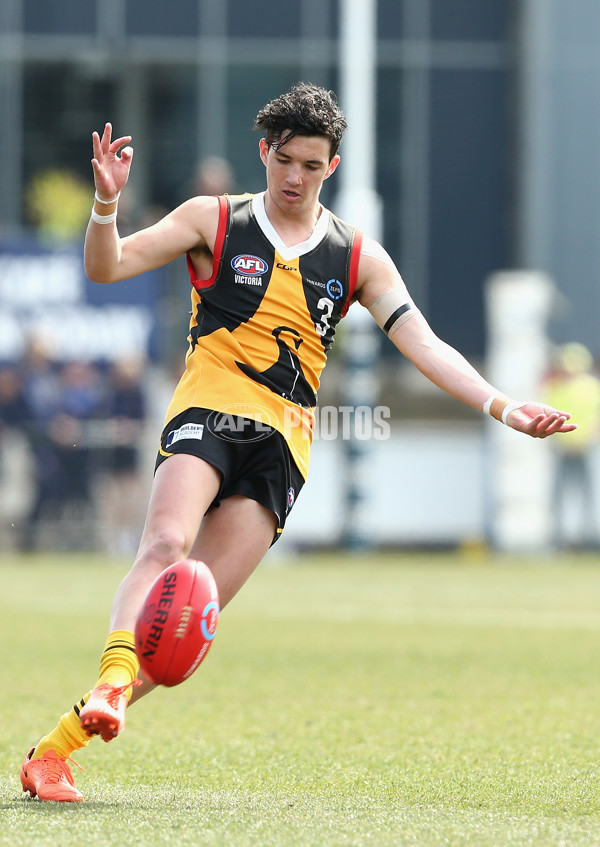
x: 53, y: 807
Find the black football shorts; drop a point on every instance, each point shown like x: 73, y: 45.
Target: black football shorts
x: 252, y: 457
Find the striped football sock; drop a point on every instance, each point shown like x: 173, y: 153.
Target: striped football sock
x: 119, y: 665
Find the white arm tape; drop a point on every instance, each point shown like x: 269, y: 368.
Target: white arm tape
x: 510, y: 407
x: 106, y: 202
x: 488, y: 404
x: 373, y: 248
x: 104, y: 219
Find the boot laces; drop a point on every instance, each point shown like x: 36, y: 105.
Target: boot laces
x: 55, y: 769
x: 114, y: 692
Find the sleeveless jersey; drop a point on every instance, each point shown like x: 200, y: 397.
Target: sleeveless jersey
x: 262, y: 325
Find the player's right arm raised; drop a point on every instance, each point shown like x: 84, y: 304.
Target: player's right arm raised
x: 107, y: 256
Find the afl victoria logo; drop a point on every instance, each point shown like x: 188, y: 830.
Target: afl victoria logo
x: 249, y: 265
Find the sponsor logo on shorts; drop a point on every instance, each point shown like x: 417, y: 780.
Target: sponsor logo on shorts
x: 291, y: 498
x: 188, y: 430
x: 242, y: 422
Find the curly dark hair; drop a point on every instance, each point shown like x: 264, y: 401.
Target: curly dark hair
x: 306, y: 109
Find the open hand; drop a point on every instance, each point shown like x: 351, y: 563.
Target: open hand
x: 111, y: 171
x: 539, y: 421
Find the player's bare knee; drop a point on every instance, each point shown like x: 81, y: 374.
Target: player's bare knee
x: 166, y: 547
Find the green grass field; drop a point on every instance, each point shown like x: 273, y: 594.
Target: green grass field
x: 389, y: 700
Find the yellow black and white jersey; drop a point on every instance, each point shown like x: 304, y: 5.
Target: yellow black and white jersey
x: 263, y: 323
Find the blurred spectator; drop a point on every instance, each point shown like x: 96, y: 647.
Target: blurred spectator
x: 14, y: 410
x: 58, y: 203
x: 82, y: 399
x: 122, y: 516
x: 41, y: 392
x: 573, y: 385
x: 14, y: 453
x: 61, y: 402
x: 213, y: 175
x: 40, y: 374
x: 80, y: 428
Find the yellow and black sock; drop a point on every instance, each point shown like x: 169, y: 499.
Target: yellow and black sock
x: 119, y: 665
x: 67, y: 736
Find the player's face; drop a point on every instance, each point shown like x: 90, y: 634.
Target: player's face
x: 296, y: 171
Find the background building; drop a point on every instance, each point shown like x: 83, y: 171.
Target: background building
x: 186, y: 79
x: 488, y: 153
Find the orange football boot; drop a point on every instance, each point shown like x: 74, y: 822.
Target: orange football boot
x: 49, y: 777
x: 104, y: 712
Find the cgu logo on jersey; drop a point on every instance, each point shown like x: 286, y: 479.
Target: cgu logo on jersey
x: 249, y: 269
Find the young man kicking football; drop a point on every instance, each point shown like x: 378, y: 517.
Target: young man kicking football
x: 272, y: 274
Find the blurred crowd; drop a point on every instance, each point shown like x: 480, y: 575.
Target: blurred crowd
x: 82, y: 426
x: 573, y: 384
x: 73, y: 447
x: 71, y: 433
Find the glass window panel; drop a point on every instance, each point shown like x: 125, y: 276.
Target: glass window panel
x: 389, y: 18
x: 334, y: 19
x: 267, y: 19
x: 157, y: 17
x: 62, y: 105
x: 172, y: 144
x: 63, y: 17
x: 388, y: 156
x: 250, y: 88
x: 485, y: 20
x: 469, y: 199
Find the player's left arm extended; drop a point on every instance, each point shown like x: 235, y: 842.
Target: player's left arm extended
x: 383, y: 292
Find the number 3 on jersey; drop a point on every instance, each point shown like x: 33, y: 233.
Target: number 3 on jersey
x: 327, y: 306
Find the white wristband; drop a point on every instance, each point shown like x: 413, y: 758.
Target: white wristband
x: 510, y: 407
x: 488, y: 404
x: 106, y: 202
x: 104, y: 219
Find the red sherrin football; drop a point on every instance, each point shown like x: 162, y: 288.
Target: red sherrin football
x: 177, y: 623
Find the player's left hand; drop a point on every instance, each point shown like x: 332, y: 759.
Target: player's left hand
x: 539, y: 421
